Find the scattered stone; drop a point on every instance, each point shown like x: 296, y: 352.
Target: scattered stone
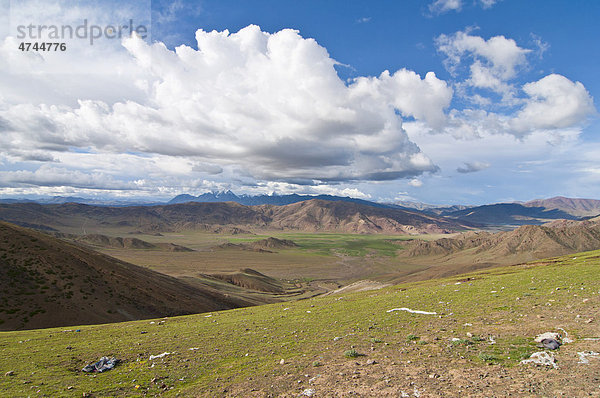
x: 9, y: 373
x: 164, y: 354
x: 104, y: 364
x: 469, y: 334
x: 336, y: 338
x: 412, y: 311
x: 583, y: 356
x: 309, y: 392
x: 371, y: 362
x: 282, y: 362
x: 550, y: 344
x: 541, y: 358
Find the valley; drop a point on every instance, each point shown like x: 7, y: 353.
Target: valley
x: 267, y: 301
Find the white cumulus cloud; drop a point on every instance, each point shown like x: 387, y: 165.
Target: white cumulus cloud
x: 554, y: 102
x: 270, y: 104
x: 492, y: 63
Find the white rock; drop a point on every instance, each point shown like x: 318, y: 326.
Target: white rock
x: 164, y: 354
x: 412, y: 311
x: 583, y: 356
x: 547, y: 335
x: 541, y: 358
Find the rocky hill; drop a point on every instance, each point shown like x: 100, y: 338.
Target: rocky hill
x: 47, y: 282
x: 99, y: 240
x: 325, y: 216
x: 526, y: 243
x: 251, y: 279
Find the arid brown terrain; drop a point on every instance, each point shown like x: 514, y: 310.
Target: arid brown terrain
x: 47, y: 282
x: 308, y: 216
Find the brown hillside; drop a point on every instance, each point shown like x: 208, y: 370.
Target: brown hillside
x: 575, y: 207
x: 47, y: 282
x: 325, y: 216
x: 273, y: 243
x: 147, y: 219
x: 556, y: 239
x: 251, y: 279
x: 118, y: 242
x: 124, y: 243
x: 311, y: 216
x: 471, y: 251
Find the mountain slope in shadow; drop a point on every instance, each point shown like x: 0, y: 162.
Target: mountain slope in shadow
x: 47, y: 282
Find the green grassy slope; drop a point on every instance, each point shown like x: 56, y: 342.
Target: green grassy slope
x: 239, y: 352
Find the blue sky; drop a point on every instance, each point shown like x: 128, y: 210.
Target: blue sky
x: 483, y: 101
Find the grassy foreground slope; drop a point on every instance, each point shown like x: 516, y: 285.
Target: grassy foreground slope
x: 493, y: 314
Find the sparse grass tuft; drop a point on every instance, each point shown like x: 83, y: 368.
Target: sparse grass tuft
x: 462, y: 342
x: 352, y: 353
x: 412, y: 337
x: 487, y: 357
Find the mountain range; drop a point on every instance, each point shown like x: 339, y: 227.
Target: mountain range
x: 574, y: 207
x: 277, y: 200
x: 310, y: 216
x: 510, y: 215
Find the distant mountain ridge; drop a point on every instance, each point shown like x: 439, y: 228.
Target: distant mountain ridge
x: 76, y: 199
x: 510, y: 214
x: 573, y: 206
x: 498, y: 215
x: 276, y: 200
x: 310, y: 216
